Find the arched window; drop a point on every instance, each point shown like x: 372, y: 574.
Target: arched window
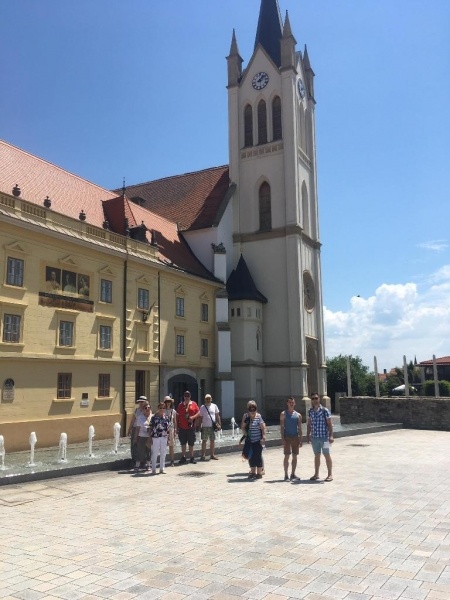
x: 305, y: 209
x: 248, y: 126
x: 276, y: 119
x: 302, y: 124
x: 262, y: 122
x: 265, y: 209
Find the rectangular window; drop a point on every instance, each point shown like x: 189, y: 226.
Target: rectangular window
x: 180, y: 344
x: 104, y: 381
x: 238, y: 312
x: 232, y: 312
x: 65, y: 333
x: 64, y: 385
x: 204, y: 347
x: 106, y: 291
x: 14, y: 272
x: 11, y: 328
x: 143, y: 299
x: 204, y: 312
x: 180, y: 307
x: 105, y: 337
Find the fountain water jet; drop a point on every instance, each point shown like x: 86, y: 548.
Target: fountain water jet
x: 62, y: 454
x: 91, y: 437
x: 116, y: 437
x: 2, y: 453
x: 233, y: 425
x: 32, y: 440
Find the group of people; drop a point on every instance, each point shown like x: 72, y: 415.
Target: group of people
x: 151, y: 434
x: 319, y: 433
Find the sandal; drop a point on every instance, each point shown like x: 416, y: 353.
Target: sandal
x: 329, y: 478
x: 314, y: 478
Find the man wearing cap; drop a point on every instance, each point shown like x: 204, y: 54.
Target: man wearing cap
x: 134, y: 424
x: 187, y: 413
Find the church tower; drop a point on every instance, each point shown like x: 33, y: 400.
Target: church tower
x: 275, y: 220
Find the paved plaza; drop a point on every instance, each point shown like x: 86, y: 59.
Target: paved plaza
x: 380, y: 530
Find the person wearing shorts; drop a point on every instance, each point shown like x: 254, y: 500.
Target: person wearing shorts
x: 210, y: 420
x: 319, y: 433
x: 291, y: 436
x: 187, y: 414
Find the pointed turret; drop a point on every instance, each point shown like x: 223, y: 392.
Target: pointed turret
x: 270, y: 29
x: 309, y: 73
x: 234, y: 61
x: 240, y: 284
x: 288, y: 42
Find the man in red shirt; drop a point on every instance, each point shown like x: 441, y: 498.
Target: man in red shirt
x: 187, y: 413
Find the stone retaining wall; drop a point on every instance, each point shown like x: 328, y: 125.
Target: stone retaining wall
x: 415, y: 412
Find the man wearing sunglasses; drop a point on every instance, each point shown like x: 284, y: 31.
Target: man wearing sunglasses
x: 319, y: 433
x: 187, y: 414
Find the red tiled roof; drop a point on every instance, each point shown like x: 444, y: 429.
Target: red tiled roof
x: 444, y: 360
x: 172, y: 248
x: 70, y: 194
x: 38, y: 178
x: 192, y: 200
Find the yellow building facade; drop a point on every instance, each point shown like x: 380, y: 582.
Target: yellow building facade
x: 89, y: 321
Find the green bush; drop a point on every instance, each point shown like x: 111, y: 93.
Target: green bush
x: 444, y: 388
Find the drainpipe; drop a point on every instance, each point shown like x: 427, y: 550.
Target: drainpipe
x: 159, y: 335
x: 124, y: 340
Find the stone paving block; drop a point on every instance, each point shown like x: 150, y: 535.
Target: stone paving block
x: 268, y: 541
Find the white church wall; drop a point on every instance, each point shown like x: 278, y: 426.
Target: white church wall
x: 222, y: 310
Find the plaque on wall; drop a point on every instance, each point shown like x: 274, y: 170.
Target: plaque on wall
x: 8, y: 390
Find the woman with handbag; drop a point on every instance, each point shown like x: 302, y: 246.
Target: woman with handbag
x: 210, y: 424
x: 253, y: 423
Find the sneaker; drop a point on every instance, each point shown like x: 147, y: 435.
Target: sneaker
x: 202, y: 458
x: 162, y: 472
x: 153, y: 472
x: 259, y: 476
x: 286, y: 478
x: 148, y: 468
x: 136, y: 469
x: 182, y: 460
x: 172, y: 464
x: 193, y: 461
x: 294, y: 477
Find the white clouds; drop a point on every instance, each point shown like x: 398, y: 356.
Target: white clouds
x: 434, y: 245
x: 399, y: 319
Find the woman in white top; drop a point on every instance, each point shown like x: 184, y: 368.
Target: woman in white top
x: 142, y: 435
x: 210, y: 421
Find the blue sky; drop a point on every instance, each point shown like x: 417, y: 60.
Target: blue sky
x: 108, y: 88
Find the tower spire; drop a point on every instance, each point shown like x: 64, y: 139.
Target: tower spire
x: 270, y: 29
x: 309, y: 73
x: 234, y: 61
x: 287, y: 45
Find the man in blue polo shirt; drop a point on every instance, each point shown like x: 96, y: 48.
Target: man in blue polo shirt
x: 319, y: 433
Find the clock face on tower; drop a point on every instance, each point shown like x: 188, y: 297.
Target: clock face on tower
x: 309, y: 292
x: 260, y: 80
x: 301, y: 88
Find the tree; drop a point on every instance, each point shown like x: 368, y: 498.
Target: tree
x: 337, y: 375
